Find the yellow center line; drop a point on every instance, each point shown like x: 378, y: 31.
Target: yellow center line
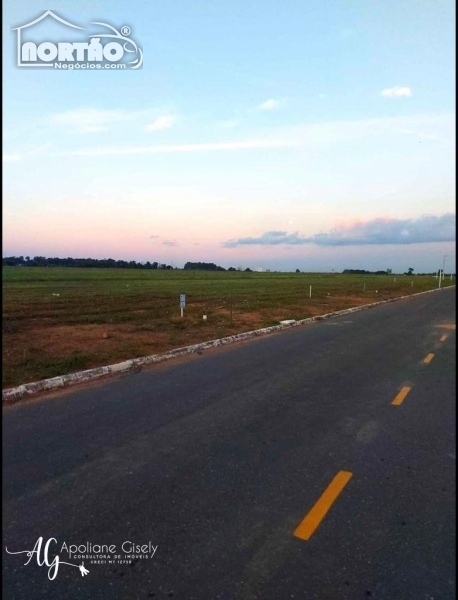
x: 443, y: 338
x: 307, y: 527
x: 401, y: 396
x: 428, y: 358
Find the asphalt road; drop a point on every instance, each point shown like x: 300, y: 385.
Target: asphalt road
x: 216, y: 460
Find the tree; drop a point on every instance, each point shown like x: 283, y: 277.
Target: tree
x: 103, y: 263
x: 389, y: 271
x: 202, y: 266
x: 297, y: 271
x: 410, y: 271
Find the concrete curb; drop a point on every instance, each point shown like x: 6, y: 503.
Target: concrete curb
x: 134, y: 365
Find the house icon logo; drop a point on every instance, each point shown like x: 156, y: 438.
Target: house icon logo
x: 110, y: 49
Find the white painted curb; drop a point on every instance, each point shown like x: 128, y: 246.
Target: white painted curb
x: 133, y: 365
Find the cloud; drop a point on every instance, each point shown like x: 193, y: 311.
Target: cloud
x: 270, y: 104
x: 94, y: 120
x: 313, y: 136
x: 153, y: 237
x: 237, y: 145
x: 20, y: 155
x: 426, y: 136
x: 169, y: 243
x: 397, y: 92
x: 11, y: 157
x: 380, y: 231
x: 163, y: 122
x: 270, y: 238
x: 90, y: 120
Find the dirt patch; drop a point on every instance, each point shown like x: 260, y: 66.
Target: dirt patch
x: 55, y: 324
x: 41, y: 351
x: 83, y: 338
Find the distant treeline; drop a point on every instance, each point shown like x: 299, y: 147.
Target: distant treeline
x: 111, y: 263
x: 202, y: 266
x: 104, y: 263
x: 363, y: 272
x: 387, y: 272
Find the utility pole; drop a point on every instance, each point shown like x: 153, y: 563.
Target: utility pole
x: 443, y: 270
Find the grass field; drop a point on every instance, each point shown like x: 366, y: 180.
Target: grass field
x: 60, y: 320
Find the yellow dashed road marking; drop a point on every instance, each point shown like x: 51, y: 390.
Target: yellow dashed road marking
x: 443, y: 338
x: 428, y: 358
x: 399, y: 399
x: 307, y: 527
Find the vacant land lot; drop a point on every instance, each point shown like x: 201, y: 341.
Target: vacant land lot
x: 59, y: 320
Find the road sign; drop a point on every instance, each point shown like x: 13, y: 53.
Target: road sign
x: 182, y: 300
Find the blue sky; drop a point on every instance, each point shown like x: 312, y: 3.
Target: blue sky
x: 321, y: 132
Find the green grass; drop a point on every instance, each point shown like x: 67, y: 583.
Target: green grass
x: 141, y: 310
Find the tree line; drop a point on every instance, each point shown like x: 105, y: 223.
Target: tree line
x: 364, y: 272
x: 111, y: 263
x: 104, y: 263
x: 410, y: 271
x: 203, y: 266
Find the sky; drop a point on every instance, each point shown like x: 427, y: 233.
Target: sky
x: 277, y: 135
